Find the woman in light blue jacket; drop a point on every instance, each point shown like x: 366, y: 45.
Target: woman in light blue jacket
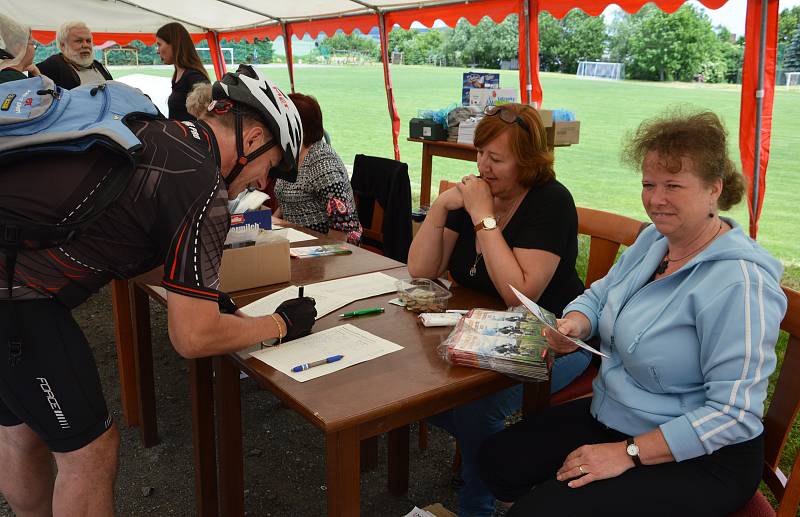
x: 688, y: 318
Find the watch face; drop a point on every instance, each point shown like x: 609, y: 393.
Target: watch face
x: 490, y: 223
x: 633, y: 450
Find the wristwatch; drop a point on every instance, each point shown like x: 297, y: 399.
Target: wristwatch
x: 633, y: 451
x: 487, y: 223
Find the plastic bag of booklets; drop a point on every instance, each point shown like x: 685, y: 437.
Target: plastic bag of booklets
x: 508, y: 342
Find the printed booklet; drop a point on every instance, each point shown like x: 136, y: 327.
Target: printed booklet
x: 319, y: 251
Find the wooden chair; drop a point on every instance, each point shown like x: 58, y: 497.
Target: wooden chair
x: 778, y: 422
x: 371, y: 233
x: 607, y: 233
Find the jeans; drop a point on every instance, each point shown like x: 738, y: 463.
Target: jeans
x: 472, y: 423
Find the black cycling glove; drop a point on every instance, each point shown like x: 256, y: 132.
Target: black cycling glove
x: 299, y: 315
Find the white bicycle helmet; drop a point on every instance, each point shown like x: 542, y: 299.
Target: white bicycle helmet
x: 249, y: 87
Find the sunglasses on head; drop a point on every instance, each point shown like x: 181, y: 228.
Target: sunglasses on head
x: 506, y: 115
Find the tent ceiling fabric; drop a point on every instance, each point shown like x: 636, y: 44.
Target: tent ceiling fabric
x: 100, y: 15
x: 241, y: 17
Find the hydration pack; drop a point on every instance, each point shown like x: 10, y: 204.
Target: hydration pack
x: 37, y: 117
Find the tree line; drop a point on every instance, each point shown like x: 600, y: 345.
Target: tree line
x: 652, y: 44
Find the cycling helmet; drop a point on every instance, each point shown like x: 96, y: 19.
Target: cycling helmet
x: 249, y: 87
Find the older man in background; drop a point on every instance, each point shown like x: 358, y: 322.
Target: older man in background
x: 75, y: 65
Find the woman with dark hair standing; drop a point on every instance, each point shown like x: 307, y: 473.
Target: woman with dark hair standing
x: 175, y: 47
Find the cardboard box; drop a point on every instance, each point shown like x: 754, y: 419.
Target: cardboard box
x: 567, y: 133
x: 547, y: 117
x: 255, y: 266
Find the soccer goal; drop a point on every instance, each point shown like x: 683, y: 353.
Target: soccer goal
x: 793, y: 79
x: 601, y: 70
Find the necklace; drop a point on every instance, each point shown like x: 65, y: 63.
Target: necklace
x: 501, y: 219
x: 474, y: 269
x: 665, y: 263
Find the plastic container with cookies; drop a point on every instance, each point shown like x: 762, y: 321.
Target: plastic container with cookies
x: 423, y: 295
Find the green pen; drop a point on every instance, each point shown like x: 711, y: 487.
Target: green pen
x: 362, y: 312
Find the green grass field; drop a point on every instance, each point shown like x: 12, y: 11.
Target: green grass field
x: 355, y: 110
x: 354, y: 105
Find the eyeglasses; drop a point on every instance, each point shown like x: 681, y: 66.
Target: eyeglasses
x: 506, y: 115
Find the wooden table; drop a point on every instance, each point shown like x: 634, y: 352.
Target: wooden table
x: 445, y: 149
x: 378, y: 396
x: 304, y: 271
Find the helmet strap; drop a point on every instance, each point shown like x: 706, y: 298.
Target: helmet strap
x: 242, y: 159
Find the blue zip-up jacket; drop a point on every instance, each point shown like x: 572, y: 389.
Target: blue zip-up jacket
x: 691, y: 352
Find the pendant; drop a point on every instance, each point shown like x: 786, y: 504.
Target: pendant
x: 474, y: 269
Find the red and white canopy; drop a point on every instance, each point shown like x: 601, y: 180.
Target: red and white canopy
x: 127, y: 20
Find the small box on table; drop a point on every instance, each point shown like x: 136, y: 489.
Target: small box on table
x: 261, y: 264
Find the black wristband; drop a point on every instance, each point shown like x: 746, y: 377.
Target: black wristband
x: 226, y: 304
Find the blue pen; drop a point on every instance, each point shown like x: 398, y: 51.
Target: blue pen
x: 306, y: 366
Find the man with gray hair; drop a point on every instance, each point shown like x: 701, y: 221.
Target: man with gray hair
x: 75, y: 65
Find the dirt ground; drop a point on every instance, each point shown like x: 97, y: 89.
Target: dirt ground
x: 284, y: 455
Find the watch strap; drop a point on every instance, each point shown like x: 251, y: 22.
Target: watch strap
x: 482, y: 226
x: 635, y: 457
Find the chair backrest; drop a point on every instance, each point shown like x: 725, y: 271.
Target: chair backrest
x: 607, y: 232
x: 382, y: 193
x: 781, y: 415
x: 445, y: 185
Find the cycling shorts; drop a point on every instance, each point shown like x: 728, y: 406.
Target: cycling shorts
x: 48, y: 377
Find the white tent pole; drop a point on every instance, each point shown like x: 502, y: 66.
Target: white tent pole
x: 762, y: 54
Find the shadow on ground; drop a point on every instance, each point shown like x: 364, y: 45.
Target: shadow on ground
x: 284, y: 455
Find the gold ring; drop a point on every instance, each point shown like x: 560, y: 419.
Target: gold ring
x: 580, y: 468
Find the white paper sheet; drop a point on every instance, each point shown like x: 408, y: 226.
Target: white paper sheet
x: 354, y: 344
x: 158, y: 289
x: 419, y: 512
x: 295, y: 235
x: 360, y: 286
x: 330, y: 295
x: 537, y: 311
x: 327, y: 302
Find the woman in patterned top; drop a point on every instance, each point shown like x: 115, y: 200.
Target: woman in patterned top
x: 321, y: 199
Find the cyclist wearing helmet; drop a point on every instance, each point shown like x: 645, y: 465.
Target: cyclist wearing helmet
x: 173, y: 212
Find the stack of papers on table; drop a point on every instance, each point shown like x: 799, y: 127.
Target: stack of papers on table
x: 507, y: 342
x: 466, y: 131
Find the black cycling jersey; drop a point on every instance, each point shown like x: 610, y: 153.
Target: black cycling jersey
x: 173, y: 212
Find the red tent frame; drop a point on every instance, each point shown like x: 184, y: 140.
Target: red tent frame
x: 758, y: 73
